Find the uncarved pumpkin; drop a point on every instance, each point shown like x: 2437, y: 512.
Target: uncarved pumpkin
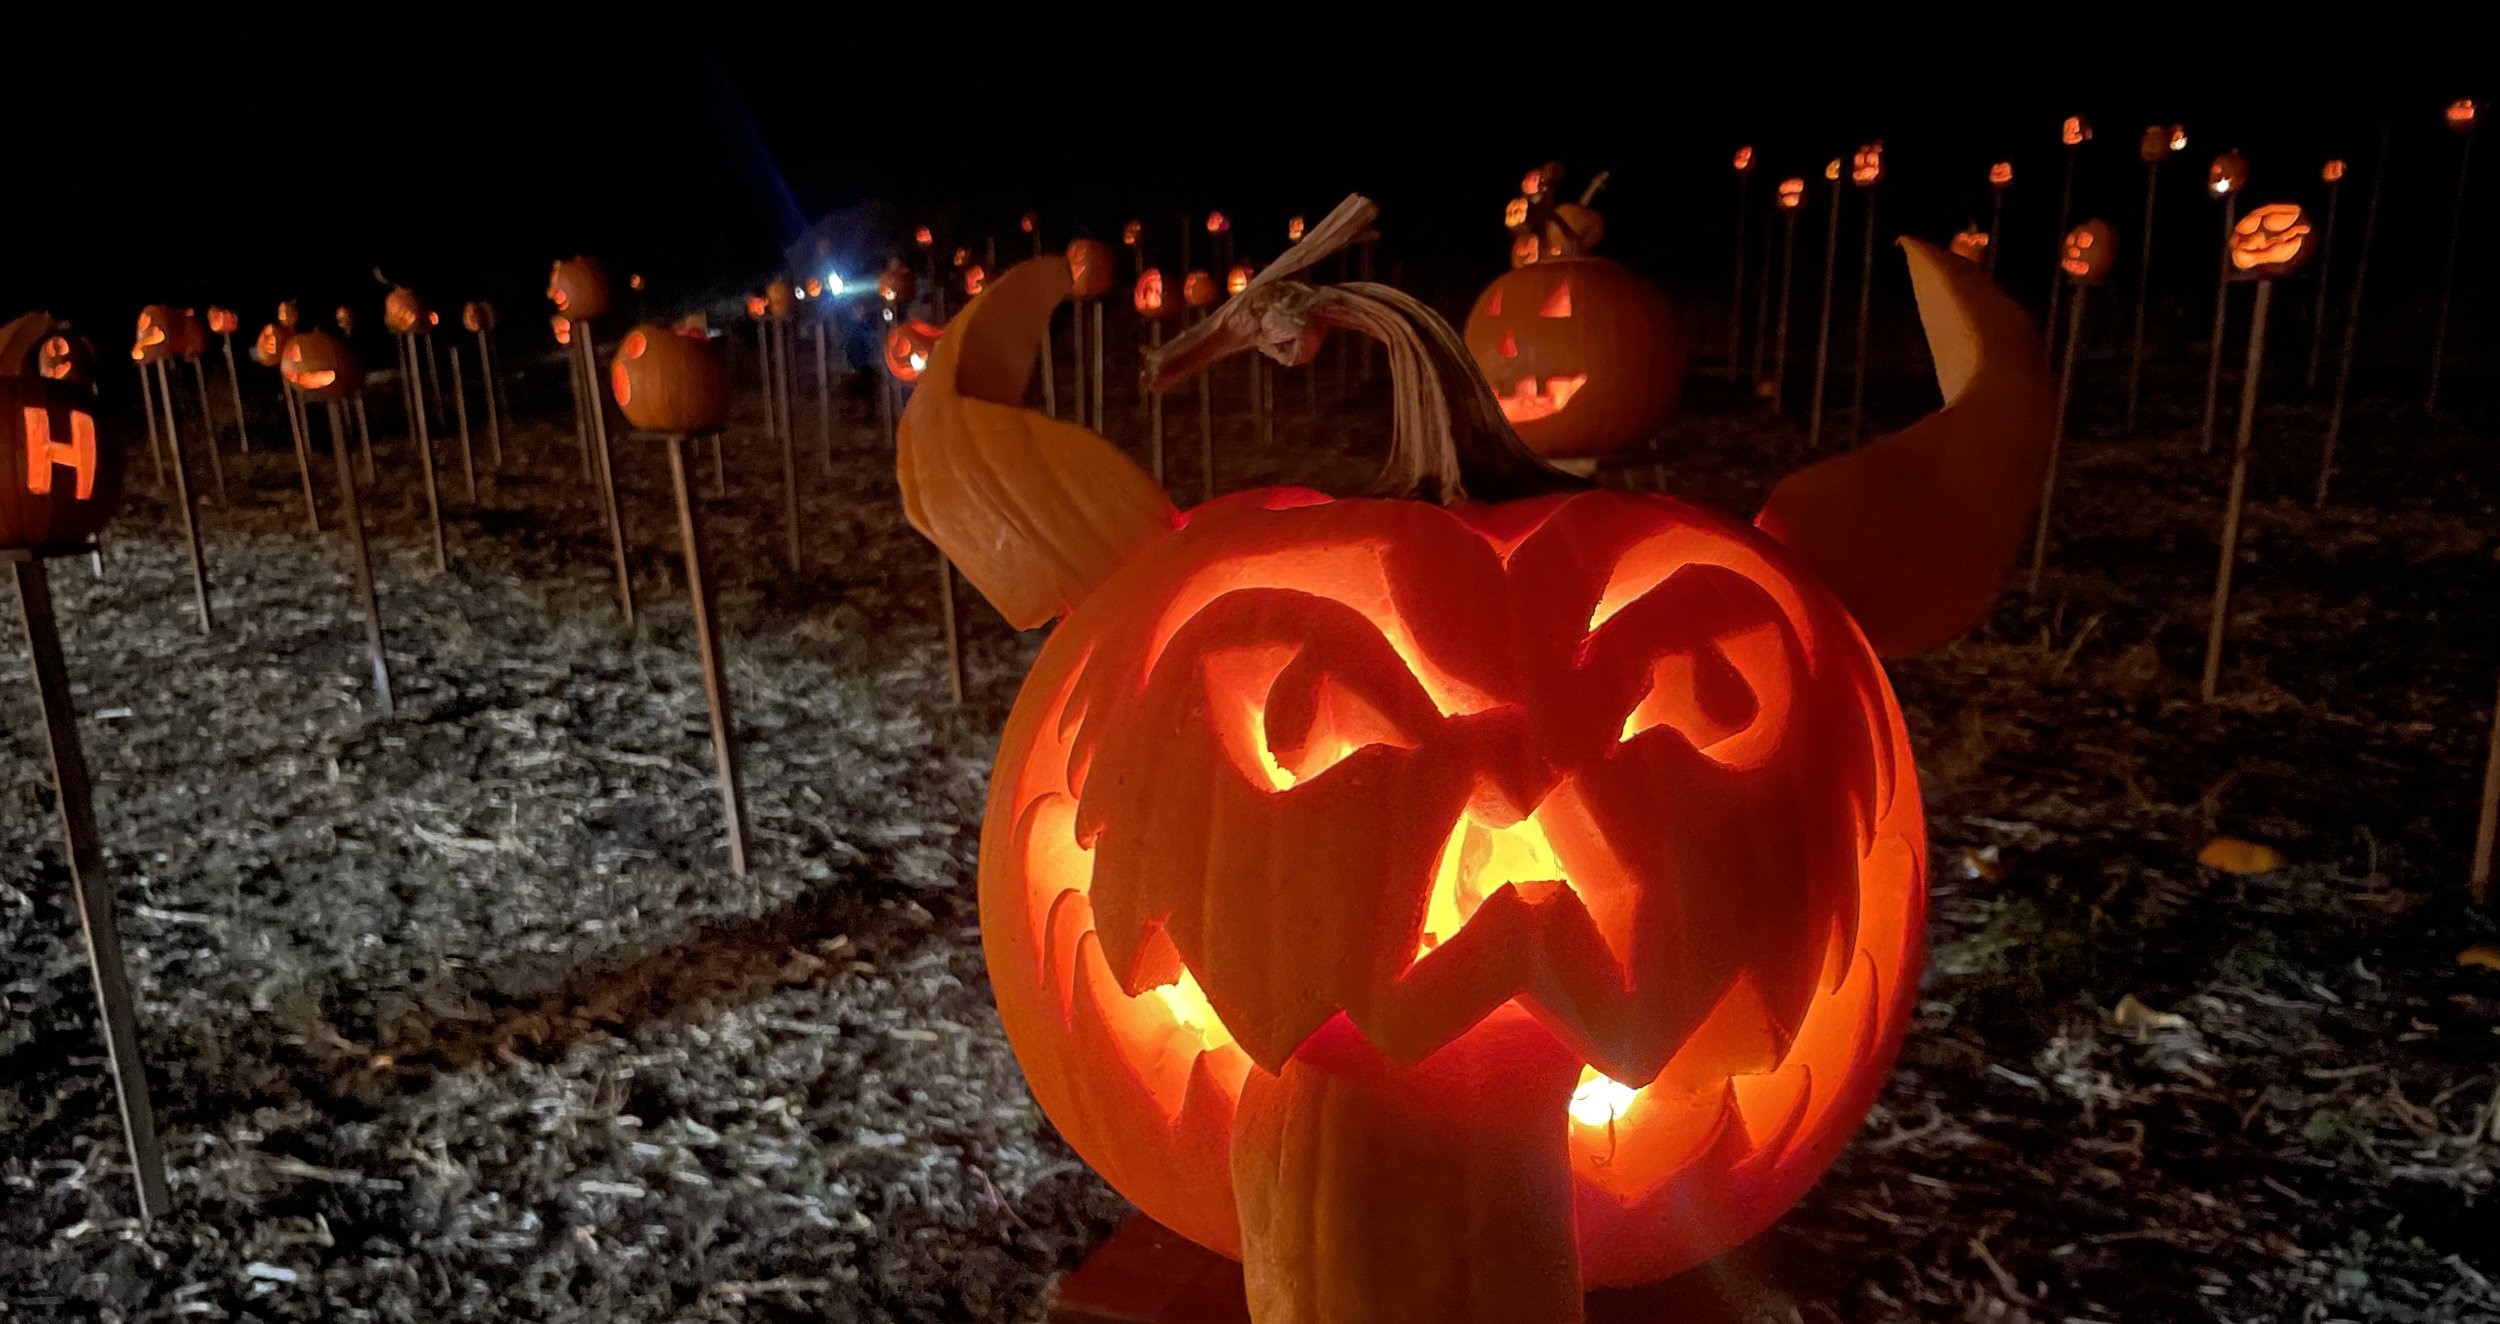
x: 578, y: 286
x: 1585, y: 355
x: 60, y: 468
x: 321, y: 365
x: 780, y: 300
x: 668, y: 382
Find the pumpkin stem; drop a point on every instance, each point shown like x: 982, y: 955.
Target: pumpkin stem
x: 1589, y: 195
x: 1448, y: 440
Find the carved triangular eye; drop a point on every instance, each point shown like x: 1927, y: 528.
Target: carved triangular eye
x: 1509, y: 347
x: 1493, y: 306
x: 1557, y: 304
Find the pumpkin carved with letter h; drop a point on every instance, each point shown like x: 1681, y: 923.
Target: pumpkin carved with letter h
x: 1457, y: 899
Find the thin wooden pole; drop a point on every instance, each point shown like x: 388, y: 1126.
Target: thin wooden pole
x: 364, y: 433
x: 234, y: 382
x: 303, y: 456
x: 1996, y: 226
x: 156, y: 438
x: 586, y: 342
x: 1866, y: 296
x: 493, y: 387
x: 2222, y: 315
x: 2057, y: 274
x: 2352, y: 314
x: 1823, y: 327
x: 208, y: 425
x: 2143, y: 292
x: 2478, y: 884
x: 2448, y: 273
x: 953, y: 626
x: 1736, y: 285
x: 433, y: 379
x: 1779, y: 338
x: 2057, y: 438
x: 360, y: 557
x: 460, y: 410
x: 715, y: 676
x: 583, y: 394
x: 412, y: 363
x: 1762, y: 312
x: 116, y: 1005
x: 182, y: 493
x: 2239, y: 490
x: 1102, y: 422
x: 720, y: 469
x: 1154, y: 405
x: 824, y: 396
x: 2326, y: 272
x: 768, y: 331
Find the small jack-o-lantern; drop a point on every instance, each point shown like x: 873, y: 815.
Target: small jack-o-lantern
x: 2225, y: 176
x: 578, y: 287
x: 321, y: 365
x: 668, y: 382
x: 2461, y: 116
x: 1866, y: 165
x: 962, y: 258
x: 920, y: 235
x: 64, y: 357
x: 1744, y: 160
x: 1831, y: 170
x: 1584, y: 355
x: 908, y: 345
x: 2075, y: 132
x: 562, y: 326
x: 223, y: 321
x: 2154, y: 147
x: 1130, y: 232
x: 896, y: 284
x: 1524, y: 249
x: 1448, y: 908
x: 186, y: 337
x: 780, y: 300
x: 1238, y: 278
x: 1028, y: 222
x: 813, y: 289
x: 289, y: 316
x: 154, y: 341
x: 344, y: 318
x: 1091, y: 267
x: 634, y: 282
x: 269, y: 344
x: 2269, y: 241
x: 975, y: 276
x: 477, y: 315
x: 757, y: 306
x: 1970, y: 243
x: 1148, y: 296
x: 1515, y: 214
x: 2333, y: 171
x: 60, y: 469
x: 1293, y: 229
x: 1792, y: 193
x: 1198, y: 290
x: 2089, y: 253
x: 1541, y: 182
x: 2000, y: 174
x: 404, y: 313
x: 1219, y: 223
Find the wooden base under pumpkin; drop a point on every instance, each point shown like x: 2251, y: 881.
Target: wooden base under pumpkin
x: 1148, y: 1274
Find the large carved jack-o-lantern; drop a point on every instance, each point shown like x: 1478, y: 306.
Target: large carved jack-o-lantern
x: 1585, y: 355
x: 60, y: 475
x: 1453, y: 901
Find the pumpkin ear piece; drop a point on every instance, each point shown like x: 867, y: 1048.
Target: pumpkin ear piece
x: 1034, y: 511
x: 1917, y: 531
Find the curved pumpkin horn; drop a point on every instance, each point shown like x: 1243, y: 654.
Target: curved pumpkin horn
x: 1917, y: 531
x: 1034, y: 511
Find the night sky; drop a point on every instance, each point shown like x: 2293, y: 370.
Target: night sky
x: 216, y: 154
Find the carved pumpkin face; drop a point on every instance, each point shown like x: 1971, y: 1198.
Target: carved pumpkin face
x: 269, y: 344
x: 2333, y: 171
x: 1970, y: 244
x: 920, y: 235
x: 1744, y: 159
x: 1525, y: 249
x: 1129, y: 233
x: 321, y: 365
x: 1028, y: 222
x: 289, y: 316
x: 404, y: 314
x: 1188, y: 801
x: 2000, y: 174
x: 1148, y: 296
x: 155, y: 326
x: 344, y: 318
x: 2089, y: 253
x: 1198, y: 290
x: 1218, y: 223
x: 223, y: 321
x: 813, y: 289
x: 757, y: 307
x: 1091, y: 266
x: 634, y: 282
x: 1866, y: 165
x: 66, y: 358
x: 2269, y: 241
x: 1583, y: 354
x: 2075, y: 132
x: 1792, y: 194
x: 975, y: 276
x: 60, y: 474
x: 2224, y: 177
x: 477, y: 315
x: 562, y: 326
x: 1238, y: 278
x: 578, y: 287
x: 896, y: 284
x: 667, y: 382
x: 1293, y: 230
x: 908, y: 345
x: 2461, y: 116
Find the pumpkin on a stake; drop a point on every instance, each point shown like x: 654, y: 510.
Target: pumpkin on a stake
x: 908, y: 345
x: 669, y: 381
x: 1585, y: 355
x: 60, y: 475
x: 269, y: 344
x: 321, y: 365
x: 578, y: 287
x: 1453, y: 901
x: 404, y: 314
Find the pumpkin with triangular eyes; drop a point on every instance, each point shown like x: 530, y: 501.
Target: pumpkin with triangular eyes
x: 1585, y: 355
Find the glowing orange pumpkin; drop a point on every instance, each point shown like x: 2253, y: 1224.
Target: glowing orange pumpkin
x: 975, y: 276
x: 578, y: 287
x: 2460, y: 116
x: 2161, y: 142
x: 1449, y: 908
x: 1293, y: 229
x: 668, y: 382
x: 1238, y: 278
x: 1218, y: 223
x: 344, y: 318
x: 1970, y: 243
x: 1744, y: 159
x: 1130, y: 232
x: 269, y: 344
x: 908, y: 345
x: 289, y: 316
x: 2269, y: 241
x: 1866, y: 165
x: 2001, y: 174
x: 920, y: 235
x: 2075, y: 132
x: 2225, y: 176
x: 66, y: 358
x: 404, y: 313
x: 780, y: 300
x: 321, y: 365
x: 1585, y: 355
x: 562, y: 326
x: 2089, y: 254
x: 1792, y: 194
x: 1092, y: 265
x: 60, y: 472
x: 223, y: 321
x: 1148, y: 296
x: 896, y: 284
x: 154, y: 340
x: 1198, y: 290
x: 2333, y: 171
x: 477, y: 315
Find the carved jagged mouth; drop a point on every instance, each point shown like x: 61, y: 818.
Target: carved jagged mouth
x: 1528, y: 401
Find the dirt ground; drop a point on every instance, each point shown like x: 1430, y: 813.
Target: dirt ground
x: 460, y: 1015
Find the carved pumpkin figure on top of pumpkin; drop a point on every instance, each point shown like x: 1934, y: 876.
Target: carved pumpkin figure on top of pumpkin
x: 1454, y: 900
x: 1585, y: 354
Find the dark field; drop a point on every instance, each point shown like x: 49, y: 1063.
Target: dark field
x: 460, y: 1016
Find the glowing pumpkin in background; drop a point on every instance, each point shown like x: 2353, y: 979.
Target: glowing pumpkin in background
x: 60, y: 469
x: 477, y: 315
x: 269, y: 344
x: 403, y: 313
x: 896, y: 284
x: 780, y: 300
x: 344, y: 318
x: 975, y: 276
x: 668, y: 382
x: 908, y: 345
x: 578, y: 287
x: 1148, y: 296
x: 153, y: 342
x: 289, y: 316
x: 1970, y: 243
x: 2089, y: 253
x: 66, y: 358
x: 2225, y: 176
x: 223, y: 321
x: 2001, y: 175
x: 1092, y: 265
x: 321, y: 365
x: 186, y: 336
x: 1198, y: 290
x: 2269, y: 241
x: 1866, y: 165
x: 1453, y: 901
x: 1585, y: 355
x: 1238, y: 277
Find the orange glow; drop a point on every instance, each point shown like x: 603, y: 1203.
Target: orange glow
x: 1130, y: 231
x: 563, y: 327
x: 1514, y: 213
x: 2075, y: 132
x: 1238, y: 279
x: 975, y: 276
x: 2155, y: 147
x: 1744, y: 159
x: 1970, y: 244
x: 908, y: 345
x: 58, y: 359
x: 815, y: 288
x: 1148, y: 295
x: 1831, y: 170
x: 2332, y: 172
x: 922, y: 237
x: 2461, y: 115
x: 634, y: 281
x: 1293, y: 230
x: 287, y: 314
x: 1528, y: 401
x: 895, y: 283
x: 2224, y: 177
x: 1866, y: 165
x: 757, y: 306
x: 1198, y: 290
x: 345, y: 317
x: 43, y: 454
x: 1524, y: 250
x: 634, y: 346
x: 2269, y: 241
x: 1217, y: 224
x: 1091, y: 268
x: 2088, y: 253
x: 1792, y: 194
x: 962, y: 257
x: 1027, y: 222
x: 2001, y: 174
x: 223, y: 321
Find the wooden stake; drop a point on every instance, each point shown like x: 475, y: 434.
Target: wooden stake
x: 460, y: 410
x: 2326, y: 270
x: 208, y: 425
x: 582, y: 396
x: 767, y: 331
x: 1823, y: 327
x: 2478, y: 884
x: 720, y: 469
x: 492, y: 382
x: 1154, y: 406
x: 1736, y: 285
x: 2352, y: 314
x: 2222, y: 315
x: 1779, y: 338
x: 303, y: 455
x: 433, y: 380
x: 1866, y: 297
x: 116, y: 1005
x: 182, y: 493
x: 2448, y: 273
x: 1102, y: 424
x: 2057, y: 275
x: 1762, y: 313
x: 412, y: 367
x: 364, y: 433
x: 824, y: 396
x: 953, y: 627
x: 234, y: 381
x: 2143, y: 292
x: 715, y: 677
x: 586, y: 342
x: 360, y: 558
x: 156, y: 439
x: 1996, y: 226
x: 2057, y: 437
x: 2239, y: 491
